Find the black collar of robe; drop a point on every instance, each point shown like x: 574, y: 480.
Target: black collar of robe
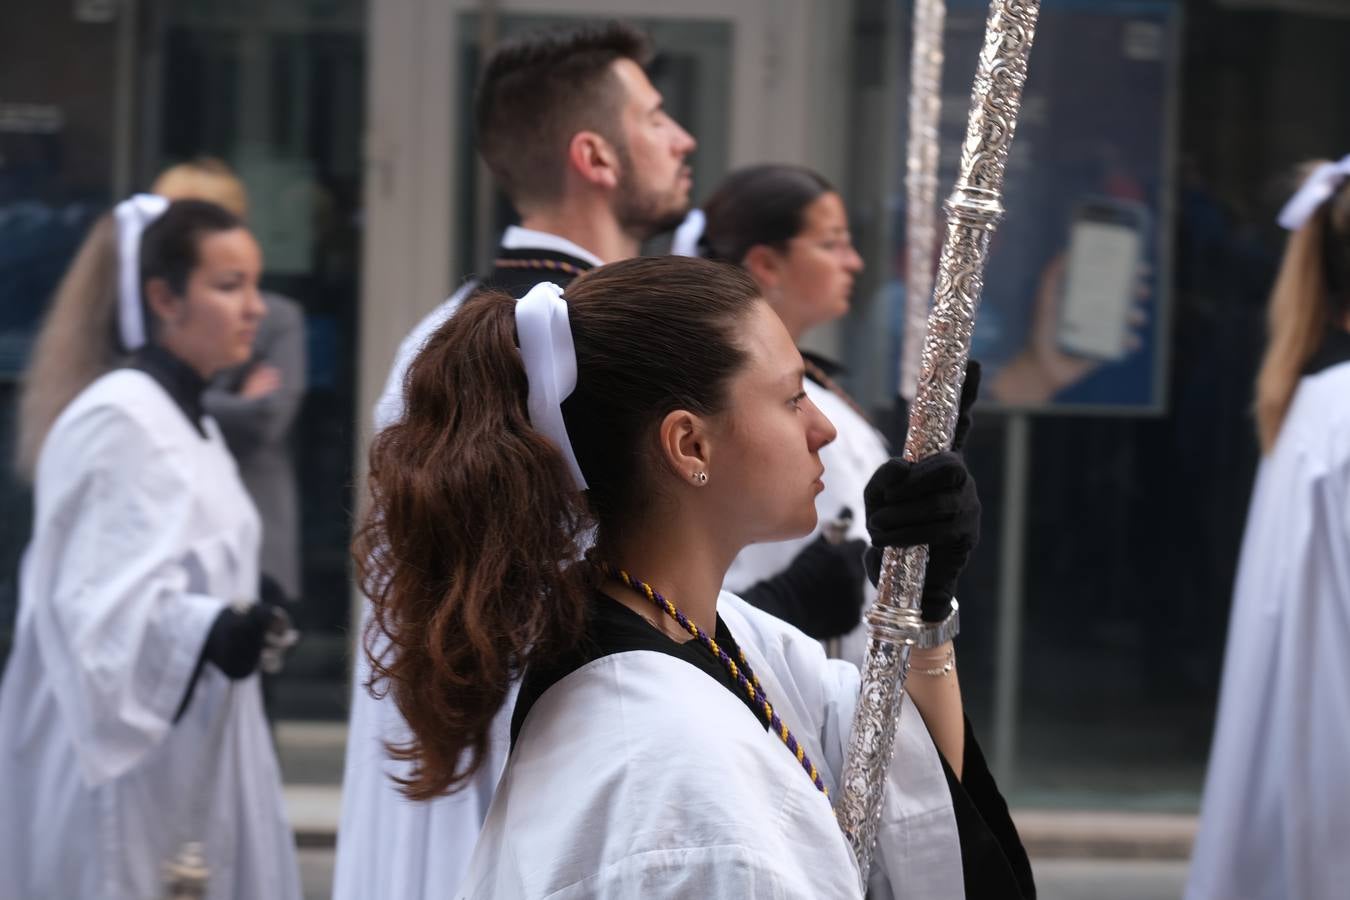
x: 179, y: 380
x: 518, y: 269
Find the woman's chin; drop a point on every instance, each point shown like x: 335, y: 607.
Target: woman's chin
x: 798, y: 527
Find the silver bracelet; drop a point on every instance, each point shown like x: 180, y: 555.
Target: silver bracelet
x: 936, y: 634
x: 947, y: 667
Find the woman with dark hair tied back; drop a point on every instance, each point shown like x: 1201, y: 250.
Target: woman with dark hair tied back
x: 559, y: 504
x: 133, y: 747
x: 1276, y: 812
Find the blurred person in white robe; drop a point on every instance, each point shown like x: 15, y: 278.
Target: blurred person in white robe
x: 131, y: 723
x: 1275, y: 820
x: 256, y: 404
x: 657, y: 416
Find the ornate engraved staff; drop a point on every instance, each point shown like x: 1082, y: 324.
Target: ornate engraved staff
x: 921, y: 182
x: 973, y: 210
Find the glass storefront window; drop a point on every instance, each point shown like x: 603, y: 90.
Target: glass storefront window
x: 277, y: 90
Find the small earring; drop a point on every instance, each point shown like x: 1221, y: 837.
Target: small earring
x: 701, y: 478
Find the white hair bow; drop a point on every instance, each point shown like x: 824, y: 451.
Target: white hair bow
x: 1315, y: 191
x: 689, y: 233
x: 133, y: 216
x: 550, y: 358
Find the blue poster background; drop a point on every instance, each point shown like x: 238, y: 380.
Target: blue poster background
x: 1096, y: 122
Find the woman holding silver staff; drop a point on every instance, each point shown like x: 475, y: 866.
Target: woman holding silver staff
x: 669, y: 740
x: 131, y: 723
x: 1276, y: 811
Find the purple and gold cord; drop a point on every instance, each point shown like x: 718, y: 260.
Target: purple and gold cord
x: 744, y: 675
x: 553, y: 265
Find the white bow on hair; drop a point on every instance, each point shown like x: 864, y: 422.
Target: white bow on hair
x: 689, y: 233
x: 1315, y: 191
x: 133, y: 216
x: 550, y: 359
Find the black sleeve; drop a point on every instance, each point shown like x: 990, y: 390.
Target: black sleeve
x: 993, y: 860
x: 820, y: 592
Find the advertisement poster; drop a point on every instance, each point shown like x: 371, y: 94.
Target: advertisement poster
x: 1075, y: 308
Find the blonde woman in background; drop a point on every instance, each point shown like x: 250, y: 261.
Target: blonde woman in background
x: 1275, y: 821
x: 131, y: 722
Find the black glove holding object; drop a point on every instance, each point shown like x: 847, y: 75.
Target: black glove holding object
x: 821, y: 590
x: 235, y: 642
x: 933, y: 502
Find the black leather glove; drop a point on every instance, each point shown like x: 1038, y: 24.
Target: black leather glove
x: 821, y: 590
x: 933, y: 502
x: 235, y: 642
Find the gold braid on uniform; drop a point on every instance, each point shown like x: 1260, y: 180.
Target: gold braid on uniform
x: 552, y: 265
x: 742, y: 673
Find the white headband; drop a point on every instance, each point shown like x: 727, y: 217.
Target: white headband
x: 550, y: 359
x: 689, y: 234
x: 133, y: 215
x: 1319, y: 187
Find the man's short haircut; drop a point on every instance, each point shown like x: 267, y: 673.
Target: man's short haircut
x: 539, y: 90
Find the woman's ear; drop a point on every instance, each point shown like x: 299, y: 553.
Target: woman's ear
x: 765, y: 265
x: 685, y: 445
x: 594, y: 159
x: 163, y: 304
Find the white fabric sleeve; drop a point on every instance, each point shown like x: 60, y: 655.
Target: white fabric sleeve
x: 107, y: 586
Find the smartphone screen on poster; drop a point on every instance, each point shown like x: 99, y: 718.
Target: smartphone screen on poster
x: 1106, y: 242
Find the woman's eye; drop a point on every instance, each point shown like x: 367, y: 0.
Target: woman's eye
x: 796, y: 401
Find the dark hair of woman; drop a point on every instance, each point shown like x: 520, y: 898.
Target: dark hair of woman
x: 170, y: 243
x: 470, y: 548
x: 759, y: 205
x: 78, y: 341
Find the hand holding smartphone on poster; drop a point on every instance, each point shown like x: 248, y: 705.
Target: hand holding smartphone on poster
x: 1089, y: 305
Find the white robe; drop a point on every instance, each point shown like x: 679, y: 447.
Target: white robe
x: 388, y: 845
x: 1275, y: 822
x: 142, y: 534
x: 849, y: 462
x: 639, y: 776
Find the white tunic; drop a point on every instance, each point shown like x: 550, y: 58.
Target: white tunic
x: 639, y: 776
x: 1275, y: 822
x: 849, y: 462
x: 142, y: 534
x: 388, y: 845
